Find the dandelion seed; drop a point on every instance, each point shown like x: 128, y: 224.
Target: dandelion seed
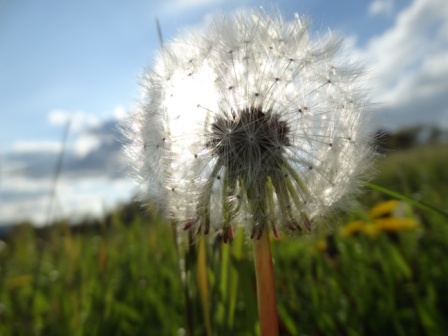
x: 247, y: 120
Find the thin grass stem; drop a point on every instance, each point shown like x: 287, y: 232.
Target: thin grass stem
x: 406, y: 199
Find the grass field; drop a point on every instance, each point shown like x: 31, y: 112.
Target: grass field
x: 375, y: 272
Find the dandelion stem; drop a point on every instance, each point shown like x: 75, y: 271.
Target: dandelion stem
x: 203, y: 284
x: 267, y: 308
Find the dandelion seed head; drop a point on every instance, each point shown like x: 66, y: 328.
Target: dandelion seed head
x: 247, y: 120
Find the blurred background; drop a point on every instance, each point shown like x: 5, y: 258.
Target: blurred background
x: 69, y: 72
x: 79, y: 62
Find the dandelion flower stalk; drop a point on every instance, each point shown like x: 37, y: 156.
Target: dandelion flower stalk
x: 249, y: 121
x: 264, y: 271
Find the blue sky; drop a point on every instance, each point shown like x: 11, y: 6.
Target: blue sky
x: 80, y: 61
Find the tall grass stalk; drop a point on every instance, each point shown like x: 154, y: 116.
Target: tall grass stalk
x: 40, y: 243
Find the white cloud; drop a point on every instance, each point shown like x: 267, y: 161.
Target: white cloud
x: 120, y: 112
x: 79, y: 120
x: 75, y: 198
x: 187, y: 4
x: 176, y: 7
x: 21, y: 184
x: 409, y: 64
x: 37, y: 146
x: 83, y: 139
x: 381, y: 7
x: 87, y: 185
x: 85, y: 143
x: 13, y: 212
x: 58, y: 117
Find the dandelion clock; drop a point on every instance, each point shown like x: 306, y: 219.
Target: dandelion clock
x: 249, y: 121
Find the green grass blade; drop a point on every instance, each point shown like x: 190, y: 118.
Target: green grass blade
x: 237, y: 251
x: 406, y: 199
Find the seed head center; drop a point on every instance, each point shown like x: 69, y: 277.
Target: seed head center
x: 249, y: 140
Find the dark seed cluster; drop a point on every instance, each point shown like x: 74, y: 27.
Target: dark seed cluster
x: 248, y: 139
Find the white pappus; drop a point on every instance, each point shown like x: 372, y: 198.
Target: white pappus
x: 248, y: 120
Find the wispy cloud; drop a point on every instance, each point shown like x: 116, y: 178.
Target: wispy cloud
x: 91, y: 181
x: 75, y: 199
x: 79, y: 120
x: 177, y: 5
x: 37, y: 146
x: 86, y: 143
x: 378, y: 7
x: 410, y: 65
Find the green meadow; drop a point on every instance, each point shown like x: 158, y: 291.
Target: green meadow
x: 130, y: 274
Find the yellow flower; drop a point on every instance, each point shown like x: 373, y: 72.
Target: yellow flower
x: 352, y: 228
x: 371, y: 230
x: 384, y: 208
x: 394, y: 224
x: 389, y: 216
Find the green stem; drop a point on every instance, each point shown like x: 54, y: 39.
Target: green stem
x: 201, y: 277
x: 406, y: 199
x: 264, y: 270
